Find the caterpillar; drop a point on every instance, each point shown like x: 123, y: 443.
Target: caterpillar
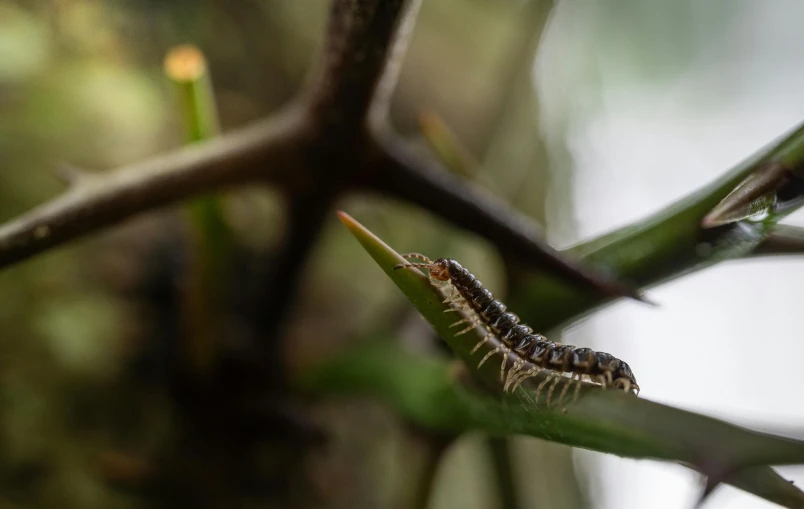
x: 533, y: 352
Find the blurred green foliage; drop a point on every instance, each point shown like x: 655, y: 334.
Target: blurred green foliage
x: 90, y: 416
x: 81, y: 81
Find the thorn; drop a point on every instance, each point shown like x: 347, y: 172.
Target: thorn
x: 70, y: 174
x: 623, y: 289
x: 641, y: 298
x: 742, y: 201
x: 711, y: 485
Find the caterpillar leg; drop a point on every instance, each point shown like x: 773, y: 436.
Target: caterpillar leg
x: 524, y: 376
x: 452, y: 299
x: 456, y: 309
x: 578, y: 388
x: 475, y: 322
x: 481, y: 343
x: 567, y: 386
x: 465, y: 320
x: 513, y: 373
x: 627, y: 387
x: 488, y: 355
x: 453, y: 295
x: 553, y: 388
x: 541, y: 385
x: 505, y: 352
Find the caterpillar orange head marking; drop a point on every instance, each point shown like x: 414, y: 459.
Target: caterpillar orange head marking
x: 439, y: 270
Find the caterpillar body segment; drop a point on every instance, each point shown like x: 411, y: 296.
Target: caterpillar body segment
x: 533, y: 352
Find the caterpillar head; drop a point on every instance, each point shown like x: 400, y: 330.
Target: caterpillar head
x: 439, y: 269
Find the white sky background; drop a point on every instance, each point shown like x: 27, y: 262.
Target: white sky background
x: 640, y: 139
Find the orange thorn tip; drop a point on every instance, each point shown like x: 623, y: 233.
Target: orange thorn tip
x: 344, y: 217
x: 709, y: 222
x: 715, y: 218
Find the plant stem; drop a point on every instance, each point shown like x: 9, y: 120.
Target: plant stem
x: 211, y: 237
x: 661, y: 247
x: 437, y: 444
x: 503, y: 472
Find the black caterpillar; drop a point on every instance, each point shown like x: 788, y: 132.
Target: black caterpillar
x: 533, y: 352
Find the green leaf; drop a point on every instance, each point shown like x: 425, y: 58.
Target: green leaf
x: 429, y: 392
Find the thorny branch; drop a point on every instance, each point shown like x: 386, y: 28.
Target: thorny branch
x: 262, y: 152
x: 323, y: 140
x: 404, y: 174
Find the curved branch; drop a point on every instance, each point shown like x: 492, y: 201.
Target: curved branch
x: 403, y: 173
x: 264, y: 151
x: 357, y: 45
x: 306, y: 215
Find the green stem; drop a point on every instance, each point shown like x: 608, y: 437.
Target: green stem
x: 664, y: 246
x: 433, y: 394
x: 211, y: 236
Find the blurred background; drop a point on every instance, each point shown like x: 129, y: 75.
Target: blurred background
x: 586, y: 115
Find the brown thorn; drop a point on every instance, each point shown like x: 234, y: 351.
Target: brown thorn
x: 70, y: 174
x: 764, y: 180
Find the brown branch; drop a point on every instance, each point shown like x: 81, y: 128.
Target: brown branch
x: 305, y: 217
x: 264, y: 151
x: 360, y: 37
x: 321, y: 144
x: 402, y: 173
x: 785, y: 240
x: 378, y: 114
x: 355, y: 56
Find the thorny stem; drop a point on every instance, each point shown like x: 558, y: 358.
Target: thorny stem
x: 406, y: 175
x: 670, y: 243
x: 356, y: 73
x: 96, y: 202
